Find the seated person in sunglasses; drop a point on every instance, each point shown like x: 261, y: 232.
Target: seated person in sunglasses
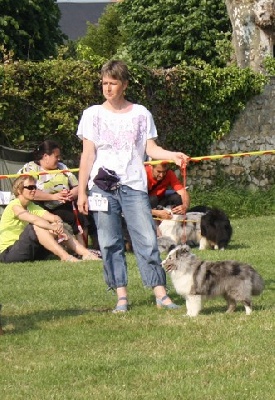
x: 28, y: 232
x: 57, y: 192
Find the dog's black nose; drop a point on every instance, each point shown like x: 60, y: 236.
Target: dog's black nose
x: 171, y: 247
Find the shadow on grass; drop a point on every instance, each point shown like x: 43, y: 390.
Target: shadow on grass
x: 17, y: 324
x: 20, y: 324
x: 220, y: 309
x: 269, y: 284
x: 237, y: 246
x: 207, y: 309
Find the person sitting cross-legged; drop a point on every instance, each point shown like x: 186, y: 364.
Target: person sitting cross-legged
x: 28, y: 232
x: 159, y: 179
x: 57, y: 192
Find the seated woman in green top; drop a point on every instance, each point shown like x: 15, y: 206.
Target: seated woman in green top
x: 56, y: 192
x: 28, y: 232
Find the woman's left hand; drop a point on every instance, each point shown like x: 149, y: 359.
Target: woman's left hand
x: 181, y: 159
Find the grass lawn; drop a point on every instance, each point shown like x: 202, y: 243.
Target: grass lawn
x: 62, y: 341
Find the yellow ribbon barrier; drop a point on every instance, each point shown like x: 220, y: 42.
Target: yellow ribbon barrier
x: 232, y: 155
x: 175, y: 220
x: 192, y: 159
x: 216, y: 157
x: 32, y: 173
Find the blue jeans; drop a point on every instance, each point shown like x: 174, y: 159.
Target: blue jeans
x: 135, y: 207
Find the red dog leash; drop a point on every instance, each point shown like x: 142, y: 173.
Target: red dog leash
x: 184, y: 181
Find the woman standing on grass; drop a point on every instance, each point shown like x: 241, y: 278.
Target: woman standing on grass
x: 117, y: 135
x: 28, y: 232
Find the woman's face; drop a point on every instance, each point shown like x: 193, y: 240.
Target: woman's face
x: 50, y: 161
x: 29, y: 189
x: 113, y: 88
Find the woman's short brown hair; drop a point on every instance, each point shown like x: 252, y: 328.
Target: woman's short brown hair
x: 116, y: 69
x: 18, y: 184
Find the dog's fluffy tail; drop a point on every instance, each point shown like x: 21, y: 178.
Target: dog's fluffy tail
x: 257, y: 284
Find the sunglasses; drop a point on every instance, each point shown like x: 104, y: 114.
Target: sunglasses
x: 30, y: 187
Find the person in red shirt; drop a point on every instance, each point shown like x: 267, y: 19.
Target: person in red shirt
x: 160, y: 179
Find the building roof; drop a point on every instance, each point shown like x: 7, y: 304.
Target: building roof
x: 74, y: 17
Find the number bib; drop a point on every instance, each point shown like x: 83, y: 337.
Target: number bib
x: 97, y: 202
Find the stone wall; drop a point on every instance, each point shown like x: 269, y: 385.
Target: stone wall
x: 254, y: 130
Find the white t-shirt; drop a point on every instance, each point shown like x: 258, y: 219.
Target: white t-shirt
x: 120, y: 141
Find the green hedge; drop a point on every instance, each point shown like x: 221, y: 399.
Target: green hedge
x: 192, y: 105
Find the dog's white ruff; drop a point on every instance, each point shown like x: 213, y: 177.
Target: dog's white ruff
x: 183, y: 284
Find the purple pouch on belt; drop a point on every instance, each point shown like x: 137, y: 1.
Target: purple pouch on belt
x: 106, y: 179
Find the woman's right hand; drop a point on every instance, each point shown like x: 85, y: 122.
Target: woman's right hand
x: 57, y: 228
x: 82, y: 204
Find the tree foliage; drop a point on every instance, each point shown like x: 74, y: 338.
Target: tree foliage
x: 192, y: 105
x: 104, y: 38
x: 45, y: 100
x: 162, y: 33
x: 29, y: 29
x: 269, y: 64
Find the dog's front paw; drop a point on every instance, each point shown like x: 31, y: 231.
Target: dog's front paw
x: 191, y: 315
